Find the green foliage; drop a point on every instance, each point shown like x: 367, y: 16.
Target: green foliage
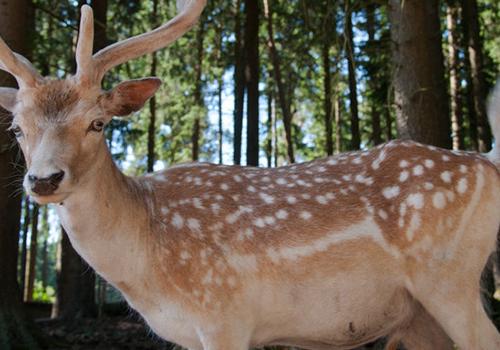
x: 45, y: 295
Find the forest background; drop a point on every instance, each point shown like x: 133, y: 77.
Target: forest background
x: 256, y: 82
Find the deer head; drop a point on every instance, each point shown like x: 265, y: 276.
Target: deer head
x: 59, y: 122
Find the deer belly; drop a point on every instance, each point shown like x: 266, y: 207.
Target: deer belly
x: 337, y: 314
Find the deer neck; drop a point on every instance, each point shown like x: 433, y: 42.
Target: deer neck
x: 105, y: 218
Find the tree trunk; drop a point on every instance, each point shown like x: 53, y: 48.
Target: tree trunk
x: 239, y: 85
x: 252, y: 79
x: 24, y: 246
x: 452, y: 13
x: 75, y: 295
x: 283, y: 101
x: 475, y: 55
x: 220, y: 88
x: 151, y: 154
x: 269, y: 127
x: 327, y: 89
x: 420, y: 91
x: 198, y: 97
x: 45, y: 248
x: 353, y: 95
x: 338, y: 126
x: 30, y: 283
x: 371, y: 48
x: 15, y: 329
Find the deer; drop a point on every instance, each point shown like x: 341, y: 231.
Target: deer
x: 328, y: 254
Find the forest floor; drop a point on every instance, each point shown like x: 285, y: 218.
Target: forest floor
x: 108, y: 333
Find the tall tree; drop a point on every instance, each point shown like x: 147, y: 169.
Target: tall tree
x: 15, y: 330
x: 420, y: 90
x: 30, y: 278
x: 74, y: 298
x: 282, y: 93
x: 328, y: 23
x: 252, y: 79
x: 239, y: 84
x: 452, y: 13
x: 24, y: 245
x: 151, y: 154
x: 371, y: 45
x: 45, y: 246
x: 353, y: 87
x: 198, y: 94
x: 475, y: 56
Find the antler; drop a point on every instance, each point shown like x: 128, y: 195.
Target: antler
x: 93, y: 68
x: 18, y: 66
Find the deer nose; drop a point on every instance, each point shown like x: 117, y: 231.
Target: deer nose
x: 47, y: 185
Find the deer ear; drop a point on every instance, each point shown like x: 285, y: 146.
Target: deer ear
x: 8, y: 98
x: 129, y: 96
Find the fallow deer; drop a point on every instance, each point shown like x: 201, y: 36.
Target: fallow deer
x: 329, y: 254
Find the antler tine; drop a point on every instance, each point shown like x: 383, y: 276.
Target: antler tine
x: 85, y: 46
x: 154, y: 40
x: 17, y: 65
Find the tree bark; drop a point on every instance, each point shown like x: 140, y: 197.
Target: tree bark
x: 239, y: 85
x: 45, y: 247
x: 16, y: 331
x: 252, y: 79
x: 420, y: 91
x: 151, y: 154
x: 353, y: 95
x: 269, y: 127
x: 75, y: 295
x: 220, y: 88
x: 30, y: 283
x: 452, y: 13
x: 371, y: 48
x: 24, y: 246
x: 475, y: 56
x: 327, y: 91
x: 282, y: 98
x: 338, y: 126
x: 198, y: 97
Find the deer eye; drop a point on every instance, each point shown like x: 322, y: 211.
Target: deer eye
x: 96, y: 125
x: 16, y: 129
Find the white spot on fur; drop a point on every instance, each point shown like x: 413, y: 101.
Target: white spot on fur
x: 251, y: 189
x: 418, y: 170
x: 259, y: 222
x: 237, y: 178
x: 390, y: 192
x: 403, y: 176
x: 462, y: 185
x: 305, y: 215
x: 321, y: 199
x: 416, y: 200
x: 281, y: 214
x: 266, y: 198
x: 383, y: 214
x: 215, y: 208
x: 224, y: 187
x: 429, y: 163
x: 177, y: 220
x: 446, y: 176
x: 403, y: 163
x: 194, y: 224
x: 445, y: 158
x: 439, y: 200
x: 291, y: 199
x: 281, y: 181
x: 269, y: 220
x: 463, y: 169
x: 428, y: 186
